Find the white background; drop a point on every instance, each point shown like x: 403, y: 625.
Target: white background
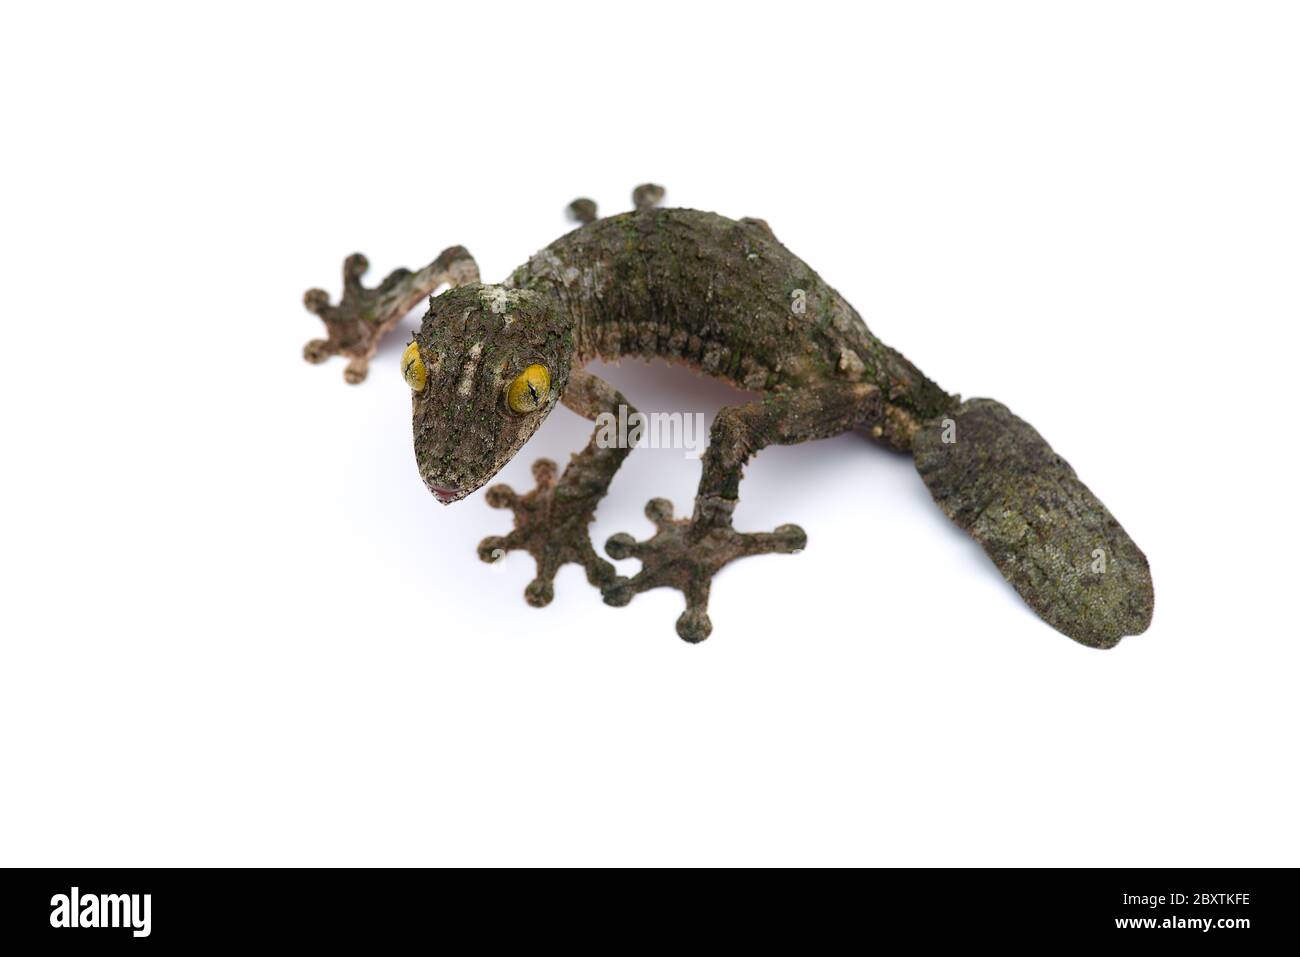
x: 238, y: 630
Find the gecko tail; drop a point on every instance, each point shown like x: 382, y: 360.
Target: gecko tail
x: 1050, y: 536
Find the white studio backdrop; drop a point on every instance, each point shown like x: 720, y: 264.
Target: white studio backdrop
x: 238, y: 630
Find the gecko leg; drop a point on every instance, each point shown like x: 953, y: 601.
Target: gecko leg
x: 362, y: 317
x: 551, y: 521
x: 686, y: 553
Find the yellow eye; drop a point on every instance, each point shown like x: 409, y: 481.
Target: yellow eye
x: 413, y: 370
x: 528, y: 391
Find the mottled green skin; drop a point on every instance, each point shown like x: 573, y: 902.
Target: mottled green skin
x: 1044, y: 529
x: 720, y: 296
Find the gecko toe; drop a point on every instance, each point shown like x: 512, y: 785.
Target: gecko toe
x: 694, y: 625
x: 539, y: 592
x: 647, y: 196
x: 618, y: 593
x: 493, y: 548
x: 501, y: 496
x: 789, y: 539
x: 620, y: 545
x: 544, y: 473
x: 582, y: 210
x: 318, y: 350
x: 355, y: 372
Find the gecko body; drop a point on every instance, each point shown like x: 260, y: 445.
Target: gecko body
x: 727, y: 299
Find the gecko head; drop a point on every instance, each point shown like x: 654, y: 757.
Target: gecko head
x: 486, y: 368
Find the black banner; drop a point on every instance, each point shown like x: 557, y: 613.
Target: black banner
x: 148, y: 908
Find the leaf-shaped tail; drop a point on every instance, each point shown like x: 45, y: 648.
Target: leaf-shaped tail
x: 1058, y: 545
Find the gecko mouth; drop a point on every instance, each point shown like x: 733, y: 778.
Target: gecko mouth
x: 445, y: 494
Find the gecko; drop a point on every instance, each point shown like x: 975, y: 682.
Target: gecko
x: 727, y: 299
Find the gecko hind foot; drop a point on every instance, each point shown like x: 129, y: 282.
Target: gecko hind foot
x: 685, y: 554
x: 552, y: 529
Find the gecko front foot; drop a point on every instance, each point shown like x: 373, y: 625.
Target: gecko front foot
x: 551, y: 525
x: 362, y: 316
x: 685, y: 554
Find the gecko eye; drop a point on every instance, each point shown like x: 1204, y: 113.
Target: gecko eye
x: 528, y: 391
x: 413, y: 370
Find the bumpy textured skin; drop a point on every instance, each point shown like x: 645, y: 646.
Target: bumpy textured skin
x: 1048, y: 534
x: 719, y: 296
x: 725, y: 298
